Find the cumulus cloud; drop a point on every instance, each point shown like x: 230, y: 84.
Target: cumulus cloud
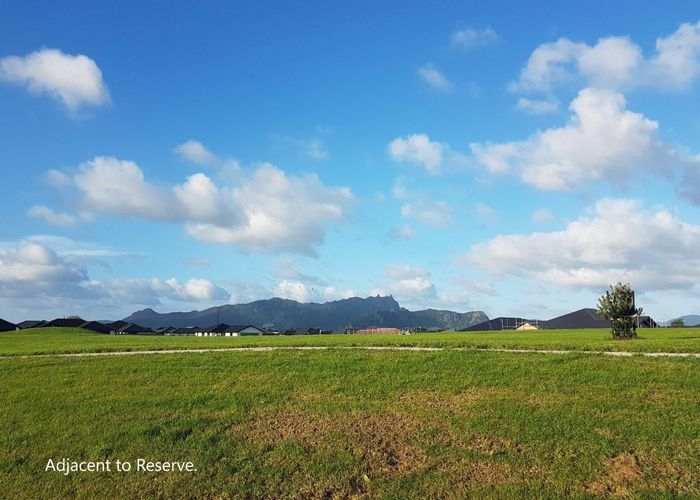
x: 435, y: 78
x: 618, y: 241
x: 37, y: 277
x: 406, y: 283
x: 472, y: 38
x: 301, y: 292
x: 265, y: 209
x: 195, y: 152
x: 418, y: 149
x: 435, y: 213
x: 74, y: 80
x: 602, y: 141
x: 312, y: 147
x: 615, y: 62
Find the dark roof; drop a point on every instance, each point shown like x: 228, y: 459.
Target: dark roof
x: 500, y: 323
x: 6, y: 326
x: 66, y: 322
x: 239, y: 328
x: 165, y: 329
x: 134, y: 328
x: 96, y: 326
x: 31, y: 323
x: 188, y: 329
x: 583, y: 318
x: 116, y: 325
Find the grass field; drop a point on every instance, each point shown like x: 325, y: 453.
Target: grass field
x: 67, y: 340
x: 346, y: 423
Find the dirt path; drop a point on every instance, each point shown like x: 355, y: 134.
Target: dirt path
x: 365, y: 348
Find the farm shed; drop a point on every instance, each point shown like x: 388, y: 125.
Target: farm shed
x: 501, y: 323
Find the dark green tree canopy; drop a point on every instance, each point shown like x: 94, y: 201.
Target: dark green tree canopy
x: 618, y: 307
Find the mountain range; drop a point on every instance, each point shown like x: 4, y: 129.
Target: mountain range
x: 336, y: 315
x: 689, y: 319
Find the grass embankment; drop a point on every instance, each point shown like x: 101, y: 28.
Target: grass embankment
x: 73, y: 340
x: 341, y: 423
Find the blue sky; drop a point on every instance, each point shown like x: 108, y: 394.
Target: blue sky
x: 516, y: 157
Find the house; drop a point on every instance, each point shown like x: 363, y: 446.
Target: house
x: 164, y: 330
x: 501, y: 323
x: 378, y: 330
x: 588, y: 318
x: 23, y: 325
x: 527, y: 326
x: 96, y: 326
x: 130, y: 329
x: 73, y: 322
x: 646, y: 322
x: 6, y: 326
x: 116, y: 325
x: 243, y: 330
x: 184, y: 331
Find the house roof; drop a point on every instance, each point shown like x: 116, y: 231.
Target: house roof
x: 66, y: 322
x: 29, y: 323
x: 239, y: 328
x: 134, y: 328
x: 116, y: 325
x: 96, y: 326
x: 500, y: 323
x: 6, y: 326
x: 583, y: 318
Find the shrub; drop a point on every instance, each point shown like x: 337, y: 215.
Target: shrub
x: 617, y: 306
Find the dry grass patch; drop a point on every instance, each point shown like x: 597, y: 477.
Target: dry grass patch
x: 386, y: 443
x: 623, y: 471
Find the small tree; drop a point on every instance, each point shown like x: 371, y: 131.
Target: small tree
x: 678, y: 323
x: 617, y: 306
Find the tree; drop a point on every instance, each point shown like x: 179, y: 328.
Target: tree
x: 617, y: 306
x: 678, y: 323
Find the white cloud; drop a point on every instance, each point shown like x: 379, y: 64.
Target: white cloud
x: 471, y: 38
x: 537, y: 106
x: 615, y: 62
x: 312, y: 147
x: 542, y: 215
x: 404, y: 232
x: 406, y: 283
x: 420, y: 207
x: 42, y: 280
x: 432, y: 213
x: 435, y: 78
x: 483, y: 210
x: 418, y: 149
x: 265, y: 210
x: 195, y: 152
x: 618, y: 241
x: 75, y: 81
x: 301, y: 292
x: 602, y: 141
x: 194, y: 290
x: 51, y: 217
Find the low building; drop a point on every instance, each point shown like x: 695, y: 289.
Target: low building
x: 588, y: 318
x: 30, y: 323
x: 96, y: 326
x: 73, y: 322
x: 373, y: 330
x: 502, y: 323
x: 6, y: 326
x: 131, y: 329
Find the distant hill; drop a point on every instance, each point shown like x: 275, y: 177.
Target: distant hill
x: 428, y: 318
x: 336, y: 315
x: 689, y: 319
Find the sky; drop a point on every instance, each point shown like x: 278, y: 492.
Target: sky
x: 515, y: 157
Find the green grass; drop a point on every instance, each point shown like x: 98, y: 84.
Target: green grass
x: 340, y: 423
x: 68, y: 340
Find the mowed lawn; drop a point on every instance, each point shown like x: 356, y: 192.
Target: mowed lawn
x: 74, y: 340
x: 344, y: 423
